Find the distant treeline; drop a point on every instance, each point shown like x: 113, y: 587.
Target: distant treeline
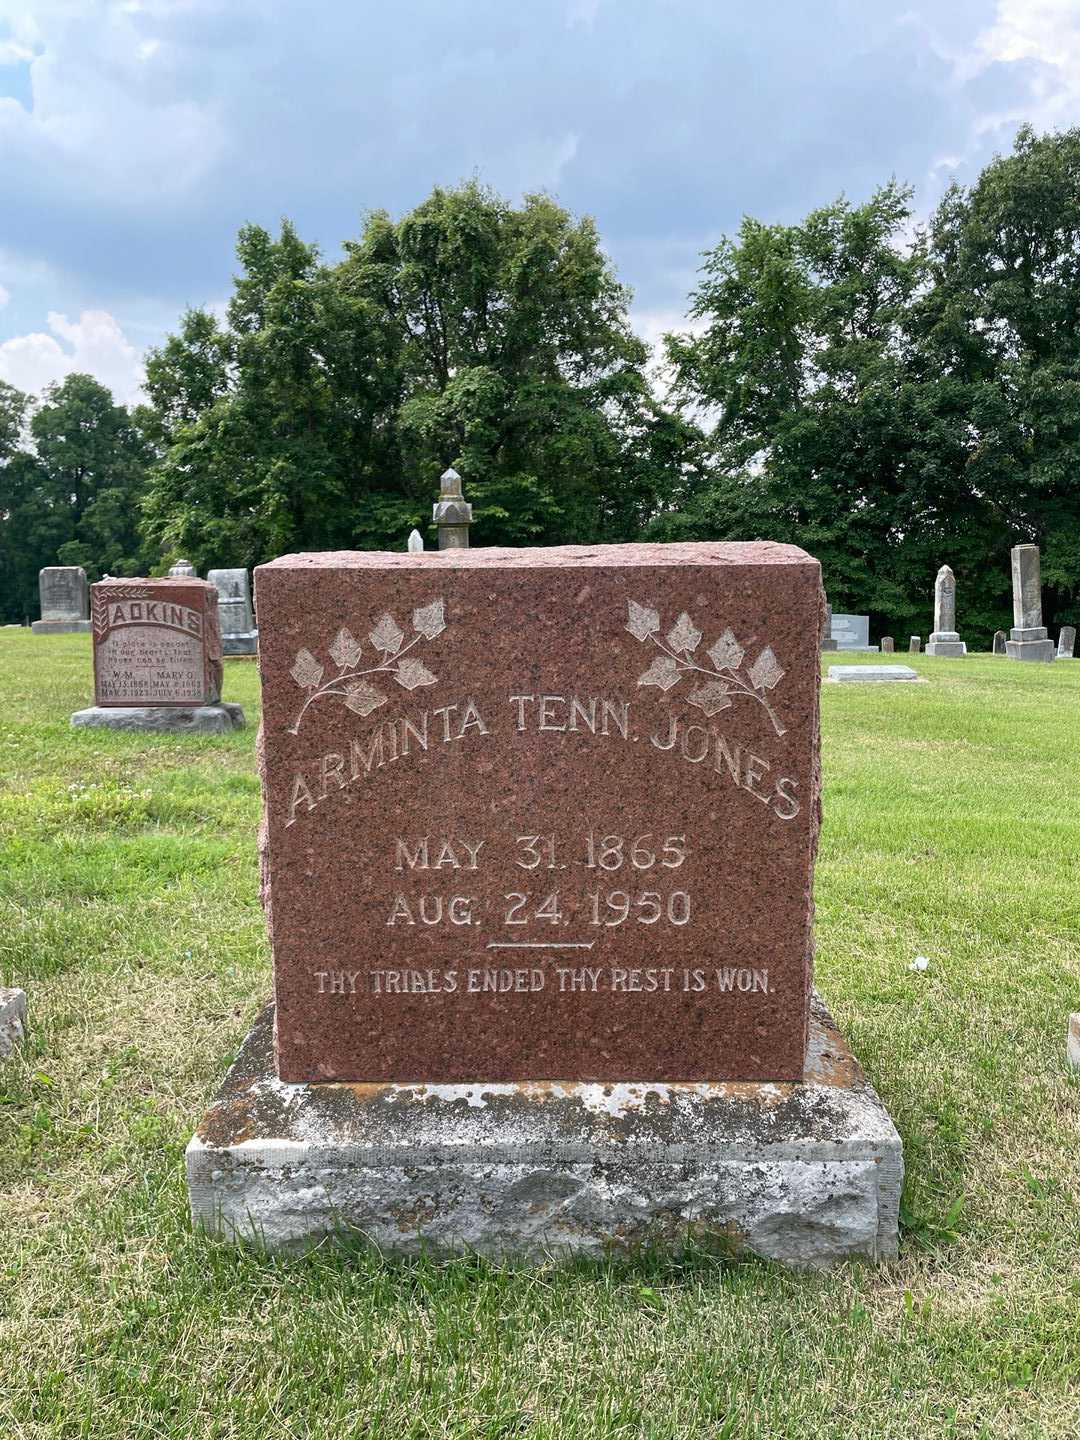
x: 891, y: 397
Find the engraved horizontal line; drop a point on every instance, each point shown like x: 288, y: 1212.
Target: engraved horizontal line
x: 540, y: 944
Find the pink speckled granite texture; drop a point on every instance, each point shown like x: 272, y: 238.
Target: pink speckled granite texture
x: 183, y: 614
x: 408, y: 730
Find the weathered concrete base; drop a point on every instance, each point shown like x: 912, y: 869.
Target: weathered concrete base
x: 874, y: 674
x: 806, y: 1174
x: 12, y: 1020
x: 61, y: 627
x: 946, y: 644
x: 210, y: 719
x: 242, y: 643
x: 1072, y: 1042
x: 1041, y: 650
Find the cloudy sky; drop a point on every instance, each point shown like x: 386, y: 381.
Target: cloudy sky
x: 136, y: 136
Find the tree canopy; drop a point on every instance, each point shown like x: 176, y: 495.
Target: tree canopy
x: 71, y: 482
x: 889, y: 395
x: 893, y: 397
x: 468, y: 333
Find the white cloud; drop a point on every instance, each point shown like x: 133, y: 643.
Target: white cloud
x: 1048, y: 33
x: 95, y: 345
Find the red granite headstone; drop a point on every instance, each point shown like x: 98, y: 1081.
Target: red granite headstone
x: 541, y: 814
x: 156, y: 642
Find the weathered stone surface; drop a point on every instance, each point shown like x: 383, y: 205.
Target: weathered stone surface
x: 1066, y: 642
x: 945, y: 642
x: 1027, y: 587
x: 851, y: 632
x: 1072, y: 1044
x: 156, y: 643
x: 12, y: 1019
x: 238, y: 633
x: 171, y: 719
x: 806, y: 1174
x: 65, y: 603
x: 999, y: 642
x: 452, y: 513
x: 1041, y: 651
x: 1028, y: 639
x: 541, y: 813
x: 888, y: 644
x: 875, y: 674
x: 183, y: 570
x: 827, y: 642
x: 915, y: 644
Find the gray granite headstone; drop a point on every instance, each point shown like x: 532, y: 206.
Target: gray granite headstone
x: 238, y: 633
x: 999, y: 642
x: 65, y: 601
x: 915, y: 644
x: 1066, y: 642
x: 888, y: 644
x: 183, y: 570
x: 945, y: 641
x: 1028, y: 639
x: 851, y: 632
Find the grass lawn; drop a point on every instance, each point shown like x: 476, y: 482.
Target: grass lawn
x: 129, y: 912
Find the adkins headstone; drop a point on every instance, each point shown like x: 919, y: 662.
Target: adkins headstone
x: 157, y: 657
x: 238, y: 633
x: 538, y: 836
x: 64, y: 601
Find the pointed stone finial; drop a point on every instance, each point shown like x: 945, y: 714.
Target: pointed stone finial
x: 452, y: 513
x: 416, y: 542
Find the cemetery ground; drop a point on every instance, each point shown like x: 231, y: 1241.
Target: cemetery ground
x: 129, y: 912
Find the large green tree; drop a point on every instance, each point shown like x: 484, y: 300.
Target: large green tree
x: 69, y: 488
x: 468, y: 333
x: 894, y: 399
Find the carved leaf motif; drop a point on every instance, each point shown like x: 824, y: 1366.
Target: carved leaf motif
x: 410, y: 673
x: 643, y: 621
x: 362, y: 697
x: 306, y: 670
x: 386, y: 635
x: 712, y: 698
x: 684, y: 635
x: 663, y: 672
x: 430, y: 620
x: 765, y: 673
x: 727, y: 653
x: 345, y: 651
